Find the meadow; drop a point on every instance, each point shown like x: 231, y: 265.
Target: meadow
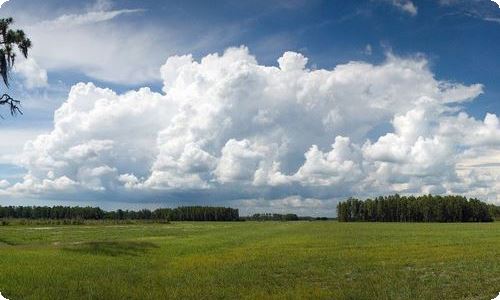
x: 251, y: 260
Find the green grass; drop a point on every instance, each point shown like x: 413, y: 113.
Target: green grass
x: 251, y: 260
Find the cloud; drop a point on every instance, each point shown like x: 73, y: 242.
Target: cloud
x: 34, y: 76
x: 227, y: 128
x: 406, y: 6
x: 12, y: 142
x: 112, y: 44
x: 89, y: 42
x: 2, y: 2
x: 4, y: 184
x: 481, y: 9
x: 92, y: 17
x: 368, y: 50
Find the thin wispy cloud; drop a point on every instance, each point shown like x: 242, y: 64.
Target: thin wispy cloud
x: 85, y: 45
x: 101, y: 44
x: 482, y: 9
x: 88, y: 18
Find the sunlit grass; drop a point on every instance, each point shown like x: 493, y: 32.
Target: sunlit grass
x: 251, y: 260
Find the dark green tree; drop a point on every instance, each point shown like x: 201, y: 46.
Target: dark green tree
x: 12, y: 41
x: 425, y: 208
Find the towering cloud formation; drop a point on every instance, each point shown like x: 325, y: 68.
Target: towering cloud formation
x: 231, y: 128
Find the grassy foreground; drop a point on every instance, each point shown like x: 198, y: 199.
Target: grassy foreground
x: 251, y: 260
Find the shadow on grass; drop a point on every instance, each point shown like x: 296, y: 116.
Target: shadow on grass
x: 116, y: 248
x: 7, y: 243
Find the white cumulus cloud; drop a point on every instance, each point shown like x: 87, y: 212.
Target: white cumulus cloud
x: 227, y: 127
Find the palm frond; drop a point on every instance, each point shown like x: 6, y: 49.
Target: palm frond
x: 4, y: 68
x: 24, y: 46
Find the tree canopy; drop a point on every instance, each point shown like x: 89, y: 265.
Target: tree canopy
x: 426, y: 208
x: 184, y: 213
x: 12, y: 41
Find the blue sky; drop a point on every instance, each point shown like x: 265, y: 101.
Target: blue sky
x: 430, y: 66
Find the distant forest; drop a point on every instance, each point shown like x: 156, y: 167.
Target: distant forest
x: 185, y: 213
x: 282, y: 217
x: 427, y: 208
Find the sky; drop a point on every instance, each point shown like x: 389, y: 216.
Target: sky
x: 267, y: 106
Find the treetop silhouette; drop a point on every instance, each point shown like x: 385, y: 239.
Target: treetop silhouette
x: 10, y: 40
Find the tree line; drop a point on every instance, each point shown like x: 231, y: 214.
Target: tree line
x: 185, y: 213
x: 426, y: 208
x: 273, y: 217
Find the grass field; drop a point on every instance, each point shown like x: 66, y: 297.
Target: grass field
x: 251, y: 260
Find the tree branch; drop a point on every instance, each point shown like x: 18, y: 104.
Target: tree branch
x: 14, y: 105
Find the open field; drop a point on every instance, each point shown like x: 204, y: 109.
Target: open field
x: 251, y: 260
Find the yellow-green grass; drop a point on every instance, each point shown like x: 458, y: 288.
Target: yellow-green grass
x: 251, y: 260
